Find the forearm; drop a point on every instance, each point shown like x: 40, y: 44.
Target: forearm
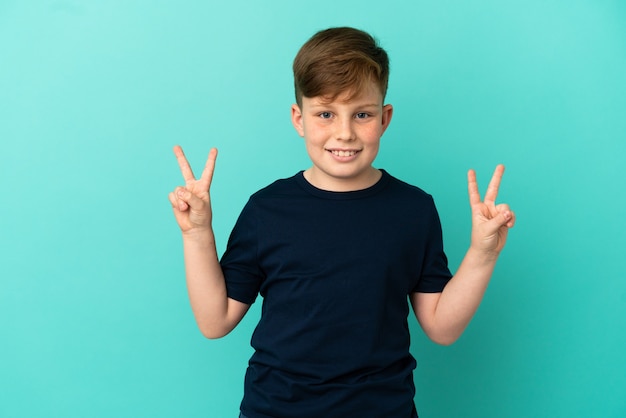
x: 215, y: 313
x: 461, y: 297
x: 444, y: 316
x: 206, y: 285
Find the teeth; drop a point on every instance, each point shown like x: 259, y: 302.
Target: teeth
x: 344, y: 153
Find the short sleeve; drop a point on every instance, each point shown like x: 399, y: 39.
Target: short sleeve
x: 240, y: 263
x: 435, y: 272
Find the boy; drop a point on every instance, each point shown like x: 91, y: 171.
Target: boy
x: 335, y: 251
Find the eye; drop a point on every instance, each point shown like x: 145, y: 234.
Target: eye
x: 325, y: 115
x: 362, y: 115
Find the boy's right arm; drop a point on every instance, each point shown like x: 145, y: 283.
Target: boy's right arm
x: 215, y: 313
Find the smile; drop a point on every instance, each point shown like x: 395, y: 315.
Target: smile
x: 340, y: 153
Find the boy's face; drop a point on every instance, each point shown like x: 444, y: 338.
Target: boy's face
x: 342, y: 138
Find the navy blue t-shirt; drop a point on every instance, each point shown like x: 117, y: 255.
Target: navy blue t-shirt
x: 334, y: 270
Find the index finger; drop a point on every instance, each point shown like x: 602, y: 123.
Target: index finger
x: 494, y: 184
x: 209, y: 168
x: 185, y: 168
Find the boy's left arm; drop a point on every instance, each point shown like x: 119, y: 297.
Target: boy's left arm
x: 444, y: 316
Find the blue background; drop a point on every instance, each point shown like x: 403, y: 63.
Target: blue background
x: 94, y: 316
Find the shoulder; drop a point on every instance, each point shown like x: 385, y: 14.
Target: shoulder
x: 279, y: 188
x: 405, y: 190
x: 270, y: 200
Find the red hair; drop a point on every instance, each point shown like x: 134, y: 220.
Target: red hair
x: 339, y: 60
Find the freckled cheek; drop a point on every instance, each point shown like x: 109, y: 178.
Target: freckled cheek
x: 315, y: 146
x: 371, y: 135
x: 317, y: 135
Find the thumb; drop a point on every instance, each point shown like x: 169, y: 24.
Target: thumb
x: 490, y: 226
x: 504, y: 217
x: 188, y: 199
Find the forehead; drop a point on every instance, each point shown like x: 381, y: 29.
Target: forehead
x: 369, y: 94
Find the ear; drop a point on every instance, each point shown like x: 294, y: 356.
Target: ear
x: 387, y: 114
x: 296, y: 119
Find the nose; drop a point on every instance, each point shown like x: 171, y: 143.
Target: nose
x: 345, y: 129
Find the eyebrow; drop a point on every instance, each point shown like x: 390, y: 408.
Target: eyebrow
x: 357, y: 105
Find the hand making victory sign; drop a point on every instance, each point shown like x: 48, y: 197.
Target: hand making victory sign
x: 215, y: 313
x: 444, y: 316
x: 490, y: 222
x: 192, y: 203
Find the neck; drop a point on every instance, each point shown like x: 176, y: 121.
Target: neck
x: 329, y: 183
